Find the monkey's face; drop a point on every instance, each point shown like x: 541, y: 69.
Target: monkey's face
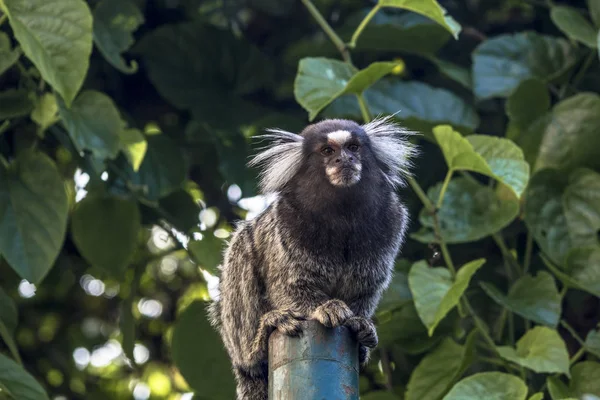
x: 338, y: 147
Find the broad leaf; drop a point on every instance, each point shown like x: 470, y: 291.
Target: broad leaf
x: 541, y: 349
x: 557, y: 389
x: 581, y: 202
x: 134, y: 146
x: 114, y: 23
x: 207, y: 252
x: 544, y: 214
x: 33, y: 214
x: 583, y: 269
x: 16, y: 103
x: 495, y: 157
x: 594, y: 7
x: 428, y: 8
x: 500, y: 64
x: 8, y: 312
x: 570, y: 138
x: 321, y: 80
x: 455, y: 72
x: 45, y: 112
x: 56, y: 35
x: 528, y: 102
x: 534, y: 298
x: 105, y: 231
x: 94, y: 124
x: 537, y: 396
x: 489, y: 385
x: 573, y: 24
x: 585, y: 379
x: 592, y: 342
x: 8, y: 55
x: 398, y: 293
x: 469, y: 212
x: 419, y: 106
x: 380, y: 395
x: 440, y: 369
x: 18, y: 382
x: 203, y: 363
x: 435, y: 292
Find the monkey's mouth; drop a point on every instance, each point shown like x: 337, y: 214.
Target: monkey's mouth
x: 344, y: 176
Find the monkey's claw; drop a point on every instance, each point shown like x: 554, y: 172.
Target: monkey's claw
x: 332, y: 313
x: 284, y: 321
x: 364, y: 330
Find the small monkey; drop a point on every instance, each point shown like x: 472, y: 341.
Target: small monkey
x: 324, y: 249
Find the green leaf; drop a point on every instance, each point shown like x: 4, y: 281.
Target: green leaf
x: 594, y: 7
x: 469, y: 212
x: 381, y: 395
x: 570, y: 138
x: 127, y: 328
x: 134, y: 146
x: 574, y: 25
x: 18, y: 382
x: 440, y: 369
x: 105, y: 231
x: 454, y: 72
x: 557, y: 389
x: 500, y: 64
x: 398, y: 293
x: 592, y: 342
x: 583, y: 269
x: 495, y: 157
x: 428, y: 8
x: 56, y: 35
x: 581, y: 202
x: 114, y: 23
x: 15, y: 103
x: 585, y: 379
x: 45, y: 111
x: 203, y: 363
x: 163, y: 170
x: 94, y: 124
x: 541, y: 349
x: 321, y: 80
x: 8, y: 312
x: 537, y: 396
x: 489, y: 385
x: 8, y: 55
x: 534, y: 298
x: 33, y: 214
x: 419, y: 106
x: 528, y: 102
x: 544, y: 214
x: 435, y: 292
x: 182, y: 209
x: 207, y: 252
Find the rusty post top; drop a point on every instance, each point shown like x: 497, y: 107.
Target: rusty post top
x: 320, y: 364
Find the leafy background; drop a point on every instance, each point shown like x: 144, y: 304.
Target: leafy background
x: 125, y: 127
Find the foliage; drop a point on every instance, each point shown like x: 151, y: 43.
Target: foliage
x: 125, y: 126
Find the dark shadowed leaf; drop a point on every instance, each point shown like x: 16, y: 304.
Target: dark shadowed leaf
x: 114, y: 23
x: 418, y: 105
x: 489, y: 385
x: 455, y: 72
x: 429, y: 8
x: 203, y: 363
x: 594, y: 7
x: 495, y: 157
x: 8, y: 311
x: 573, y: 24
x: 56, y: 35
x: 535, y: 298
x: 18, y: 382
x: 528, y: 102
x: 398, y: 293
x: 33, y: 214
x: 127, y: 327
x: 207, y: 252
x: 583, y: 269
x: 541, y: 349
x: 94, y: 123
x: 581, y: 202
x: 469, y: 212
x: 105, y: 231
x: 16, y: 103
x: 183, y: 211
x: 440, y: 369
x: 435, y: 292
x: 8, y: 55
x: 557, y: 389
x: 500, y: 64
x: 381, y: 395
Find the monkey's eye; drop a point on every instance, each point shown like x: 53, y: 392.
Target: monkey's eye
x: 353, y: 147
x: 327, y: 151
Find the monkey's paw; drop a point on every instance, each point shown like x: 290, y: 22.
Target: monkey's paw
x: 284, y: 321
x: 332, y: 313
x: 364, y: 330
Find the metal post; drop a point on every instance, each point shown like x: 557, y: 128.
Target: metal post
x: 320, y: 364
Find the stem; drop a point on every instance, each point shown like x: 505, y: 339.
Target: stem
x: 577, y: 356
x: 586, y: 64
x: 479, y: 324
x: 363, y: 25
x: 363, y: 108
x: 509, y: 260
x: 387, y: 370
x: 563, y: 291
x: 447, y: 258
x: 339, y: 43
x: 4, y: 127
x: 500, y: 325
x: 444, y: 187
x: 528, y: 250
x: 572, y: 331
x: 511, y: 328
x: 421, y: 194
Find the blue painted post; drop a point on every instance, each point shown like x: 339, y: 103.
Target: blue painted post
x: 320, y: 364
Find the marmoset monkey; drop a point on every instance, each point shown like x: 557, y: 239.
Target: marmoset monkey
x: 324, y: 249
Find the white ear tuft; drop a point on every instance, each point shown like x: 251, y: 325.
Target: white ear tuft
x: 279, y: 160
x: 392, y: 148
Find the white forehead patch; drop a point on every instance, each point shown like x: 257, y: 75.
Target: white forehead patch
x: 339, y: 137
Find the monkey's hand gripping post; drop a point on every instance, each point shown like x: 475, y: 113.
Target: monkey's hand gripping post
x: 320, y: 364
